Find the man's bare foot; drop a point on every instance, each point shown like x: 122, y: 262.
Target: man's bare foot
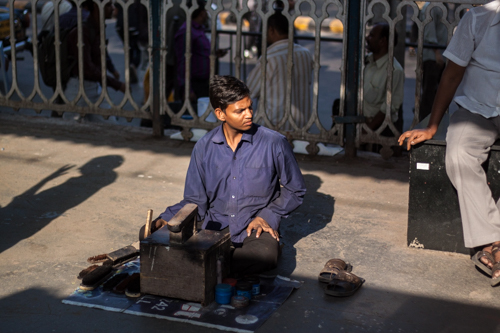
x: 485, y: 259
x: 495, y: 251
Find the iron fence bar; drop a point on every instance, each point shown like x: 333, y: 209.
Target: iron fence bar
x: 353, y: 64
x: 154, y: 14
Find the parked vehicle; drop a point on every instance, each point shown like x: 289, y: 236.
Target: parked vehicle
x: 21, y: 23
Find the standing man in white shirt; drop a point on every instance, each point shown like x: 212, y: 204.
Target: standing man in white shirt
x: 375, y: 78
x: 276, y: 75
x: 473, y: 77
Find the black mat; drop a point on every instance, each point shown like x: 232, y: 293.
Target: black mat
x: 274, y: 291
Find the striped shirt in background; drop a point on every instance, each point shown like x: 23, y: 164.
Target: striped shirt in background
x: 276, y: 81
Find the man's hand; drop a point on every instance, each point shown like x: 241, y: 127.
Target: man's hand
x: 261, y: 225
x: 221, y: 52
x: 159, y: 223
x: 416, y: 136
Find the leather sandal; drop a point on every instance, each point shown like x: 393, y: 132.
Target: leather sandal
x: 476, y: 258
x: 344, y: 284
x: 332, y: 268
x: 495, y: 268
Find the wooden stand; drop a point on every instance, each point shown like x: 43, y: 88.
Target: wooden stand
x: 183, y: 264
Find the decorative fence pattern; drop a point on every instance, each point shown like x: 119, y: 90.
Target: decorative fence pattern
x: 393, y: 12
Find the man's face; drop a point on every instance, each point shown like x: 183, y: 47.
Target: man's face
x: 373, y: 39
x: 238, y: 116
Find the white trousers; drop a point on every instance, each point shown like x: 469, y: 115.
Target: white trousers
x: 468, y: 142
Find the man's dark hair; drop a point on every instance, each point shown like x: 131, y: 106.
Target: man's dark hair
x: 226, y: 90
x: 384, y: 32
x: 89, y: 5
x: 199, y: 10
x: 279, y: 23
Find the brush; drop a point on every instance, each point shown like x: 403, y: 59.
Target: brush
x: 114, y: 281
x: 122, y: 286
x: 134, y: 286
x: 97, y: 259
x: 96, y: 277
x: 116, y: 257
x: 124, y: 253
x: 86, y: 271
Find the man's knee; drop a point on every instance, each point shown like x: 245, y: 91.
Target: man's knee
x: 264, y: 249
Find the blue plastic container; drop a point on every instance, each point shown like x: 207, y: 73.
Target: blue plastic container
x: 243, y: 288
x: 255, y: 282
x: 223, y: 293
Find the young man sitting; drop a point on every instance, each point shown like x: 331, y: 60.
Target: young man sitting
x: 244, y: 179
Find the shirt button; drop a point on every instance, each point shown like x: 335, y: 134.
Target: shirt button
x: 232, y: 196
x: 234, y: 177
x: 234, y: 158
x: 232, y: 215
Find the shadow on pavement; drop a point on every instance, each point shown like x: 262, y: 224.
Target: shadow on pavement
x: 303, y: 222
x: 30, y: 211
x: 307, y: 310
x: 141, y: 139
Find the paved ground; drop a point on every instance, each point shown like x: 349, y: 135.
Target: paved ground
x: 69, y: 191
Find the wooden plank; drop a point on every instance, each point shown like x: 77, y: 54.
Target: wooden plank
x: 183, y: 217
x: 123, y: 253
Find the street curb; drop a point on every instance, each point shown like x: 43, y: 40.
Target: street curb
x: 302, y: 23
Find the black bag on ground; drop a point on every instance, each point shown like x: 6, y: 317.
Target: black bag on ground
x: 47, y: 57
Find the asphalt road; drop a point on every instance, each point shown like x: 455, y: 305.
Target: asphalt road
x: 70, y: 191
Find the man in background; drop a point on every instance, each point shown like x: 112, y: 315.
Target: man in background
x: 276, y: 75
x: 375, y: 78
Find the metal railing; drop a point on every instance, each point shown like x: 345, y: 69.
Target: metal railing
x: 351, y: 131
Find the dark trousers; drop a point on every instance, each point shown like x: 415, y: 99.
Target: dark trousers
x: 254, y: 255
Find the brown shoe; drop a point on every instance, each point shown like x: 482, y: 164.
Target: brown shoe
x: 332, y: 268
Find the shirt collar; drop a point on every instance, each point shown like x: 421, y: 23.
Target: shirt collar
x: 380, y: 62
x: 219, y: 136
x: 278, y: 43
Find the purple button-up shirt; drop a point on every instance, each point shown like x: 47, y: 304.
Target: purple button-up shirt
x: 200, y: 53
x: 232, y: 188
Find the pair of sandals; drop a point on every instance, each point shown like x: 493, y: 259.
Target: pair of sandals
x: 491, y: 258
x: 340, y: 281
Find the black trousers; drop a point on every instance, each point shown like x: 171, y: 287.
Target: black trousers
x: 254, y: 255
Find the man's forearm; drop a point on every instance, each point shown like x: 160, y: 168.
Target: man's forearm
x: 452, y: 76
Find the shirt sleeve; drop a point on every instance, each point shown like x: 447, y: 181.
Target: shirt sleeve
x: 253, y: 81
x: 462, y: 43
x: 194, y: 188
x: 292, y: 189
